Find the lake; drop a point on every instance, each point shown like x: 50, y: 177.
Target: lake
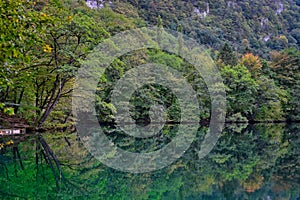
x: 248, y: 162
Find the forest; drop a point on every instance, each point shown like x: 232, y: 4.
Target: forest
x: 47, y: 45
x: 44, y: 43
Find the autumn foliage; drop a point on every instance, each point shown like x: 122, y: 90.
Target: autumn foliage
x: 252, y: 63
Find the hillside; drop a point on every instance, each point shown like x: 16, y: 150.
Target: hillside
x: 260, y: 26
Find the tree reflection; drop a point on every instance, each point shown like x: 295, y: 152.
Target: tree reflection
x: 253, y: 161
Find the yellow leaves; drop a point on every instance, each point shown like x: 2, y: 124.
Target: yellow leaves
x: 283, y: 38
x: 2, y: 145
x: 253, y: 183
x: 9, y: 142
x: 9, y: 111
x: 15, y: 53
x: 252, y: 63
x: 47, y: 49
x: 44, y: 14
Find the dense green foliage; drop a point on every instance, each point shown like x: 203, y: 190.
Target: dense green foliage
x: 44, y: 43
x: 259, y: 26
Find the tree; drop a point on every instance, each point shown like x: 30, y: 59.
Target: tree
x: 241, y: 90
x: 180, y: 40
x: 246, y: 46
x: 270, y: 100
x: 285, y: 66
x: 43, y: 46
x: 227, y: 56
x: 68, y: 41
x: 159, y: 29
x: 19, y: 24
x: 252, y: 63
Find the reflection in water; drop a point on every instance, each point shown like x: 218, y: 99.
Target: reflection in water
x: 249, y: 162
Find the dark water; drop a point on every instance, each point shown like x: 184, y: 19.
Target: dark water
x: 248, y: 162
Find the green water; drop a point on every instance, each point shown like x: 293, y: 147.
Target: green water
x: 248, y: 162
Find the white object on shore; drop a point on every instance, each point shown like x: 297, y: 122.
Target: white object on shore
x: 12, y: 131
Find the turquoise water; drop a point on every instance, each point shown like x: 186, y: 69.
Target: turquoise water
x: 248, y: 162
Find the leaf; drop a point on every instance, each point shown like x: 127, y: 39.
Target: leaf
x: 9, y: 111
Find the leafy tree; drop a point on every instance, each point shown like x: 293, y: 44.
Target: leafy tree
x: 227, y: 56
x: 285, y: 66
x: 241, y: 90
x: 19, y: 23
x: 71, y: 39
x: 252, y: 63
x: 270, y: 100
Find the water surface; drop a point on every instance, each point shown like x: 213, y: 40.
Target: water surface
x: 249, y: 162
